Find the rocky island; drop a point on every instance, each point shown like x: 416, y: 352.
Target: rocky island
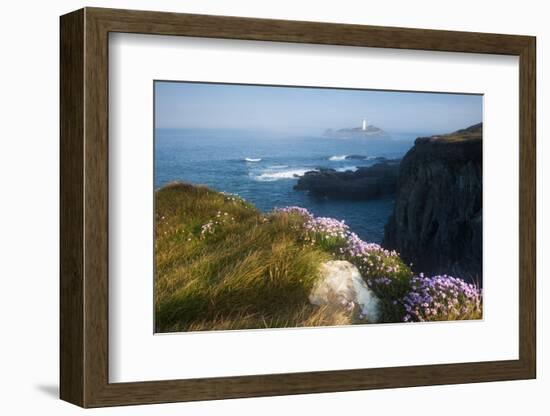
x: 365, y: 131
x: 437, y: 219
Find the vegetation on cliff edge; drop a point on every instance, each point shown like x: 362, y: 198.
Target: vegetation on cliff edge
x: 222, y: 264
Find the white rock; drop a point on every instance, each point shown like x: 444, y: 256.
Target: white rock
x: 341, y: 283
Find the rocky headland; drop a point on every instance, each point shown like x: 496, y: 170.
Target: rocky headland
x: 437, y: 219
x: 365, y: 183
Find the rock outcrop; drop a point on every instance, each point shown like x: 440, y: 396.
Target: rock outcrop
x: 377, y: 181
x: 437, y: 219
x: 342, y: 288
x: 356, y: 132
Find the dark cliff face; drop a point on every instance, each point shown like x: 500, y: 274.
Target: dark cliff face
x: 437, y: 219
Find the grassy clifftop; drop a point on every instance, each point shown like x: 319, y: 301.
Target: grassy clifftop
x: 222, y: 264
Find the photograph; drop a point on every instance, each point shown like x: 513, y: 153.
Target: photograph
x: 299, y: 206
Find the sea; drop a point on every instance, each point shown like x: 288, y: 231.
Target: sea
x: 263, y: 168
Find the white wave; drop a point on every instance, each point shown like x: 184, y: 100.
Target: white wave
x: 251, y: 159
x: 346, y: 168
x: 270, y: 176
x: 337, y: 158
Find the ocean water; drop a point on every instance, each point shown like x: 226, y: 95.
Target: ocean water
x: 263, y: 168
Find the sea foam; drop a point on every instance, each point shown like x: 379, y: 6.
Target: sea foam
x: 270, y: 176
x: 337, y: 158
x: 346, y: 168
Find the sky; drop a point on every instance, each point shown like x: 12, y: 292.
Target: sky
x: 309, y: 110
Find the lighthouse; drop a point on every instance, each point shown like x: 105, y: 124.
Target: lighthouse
x: 365, y: 124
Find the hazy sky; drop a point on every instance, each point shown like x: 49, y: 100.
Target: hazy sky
x: 309, y: 110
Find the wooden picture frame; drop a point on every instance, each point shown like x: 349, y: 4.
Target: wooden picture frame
x: 84, y: 207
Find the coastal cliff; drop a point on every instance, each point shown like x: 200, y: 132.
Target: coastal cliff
x: 437, y: 218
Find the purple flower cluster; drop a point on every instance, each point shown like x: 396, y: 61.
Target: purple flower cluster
x: 294, y: 210
x: 359, y: 248
x: 329, y: 227
x: 380, y: 285
x: 381, y: 281
x: 441, y: 298
x: 428, y: 299
x: 370, y: 258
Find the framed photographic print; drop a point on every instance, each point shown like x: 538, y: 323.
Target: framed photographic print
x: 255, y: 207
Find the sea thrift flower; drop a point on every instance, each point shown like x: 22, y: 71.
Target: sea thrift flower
x: 440, y: 298
x: 294, y: 210
x: 328, y: 226
x: 370, y: 258
x: 210, y: 227
x: 359, y: 248
x: 381, y: 281
x: 229, y: 197
x: 430, y: 298
x: 207, y: 228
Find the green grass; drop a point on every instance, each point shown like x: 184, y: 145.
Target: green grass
x: 247, y: 271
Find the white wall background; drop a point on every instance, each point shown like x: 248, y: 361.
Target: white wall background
x: 29, y: 209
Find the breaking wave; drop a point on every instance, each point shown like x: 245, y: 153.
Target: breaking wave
x: 346, y: 168
x: 270, y: 176
x: 337, y: 158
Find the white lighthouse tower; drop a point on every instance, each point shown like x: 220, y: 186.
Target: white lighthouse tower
x: 365, y: 124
